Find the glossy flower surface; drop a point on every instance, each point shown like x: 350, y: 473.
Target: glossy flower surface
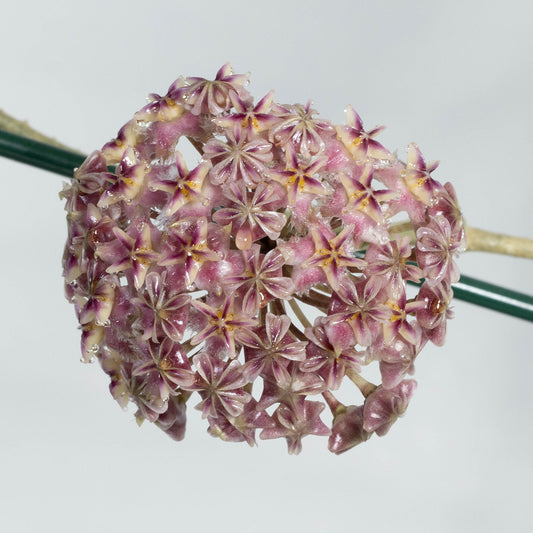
x: 266, y: 275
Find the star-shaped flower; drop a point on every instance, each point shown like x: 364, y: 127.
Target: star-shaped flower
x: 433, y: 317
x: 165, y: 364
x: 297, y: 128
x: 130, y: 251
x: 96, y: 301
x: 329, y: 355
x: 127, y: 182
x: 333, y: 253
x: 221, y: 386
x: 361, y: 196
x: 173, y: 420
x: 289, y: 385
x: 206, y: 96
x: 240, y: 428
x: 384, y: 406
x: 398, y: 324
x: 270, y: 347
x: 252, y: 215
x: 250, y: 121
x: 238, y: 158
x: 417, y: 175
x: 187, y: 244
x: 296, y: 422
x: 362, y: 306
x: 160, y: 108
x: 223, y: 321
x: 347, y: 430
x: 299, y: 178
x: 262, y: 279
x: 389, y: 262
x: 436, y: 245
x: 360, y: 143
x: 187, y: 186
x: 114, y: 150
x: 163, y: 314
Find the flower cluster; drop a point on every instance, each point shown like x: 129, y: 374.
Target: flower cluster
x: 264, y: 277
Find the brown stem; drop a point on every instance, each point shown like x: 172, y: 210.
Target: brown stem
x: 186, y: 346
x: 363, y: 385
x: 262, y: 315
x: 316, y: 301
x: 299, y: 313
x: 401, y: 227
x: 21, y: 127
x: 197, y: 145
x: 334, y: 405
x: 277, y: 307
x: 322, y: 287
x: 487, y: 241
x: 297, y: 334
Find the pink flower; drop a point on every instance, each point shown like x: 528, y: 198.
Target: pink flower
x: 162, y: 314
x: 275, y: 270
x: 294, y: 423
x: 362, y: 197
x: 130, y: 252
x: 252, y: 216
x: 250, y: 121
x: 271, y: 347
x: 436, y: 247
x: 347, y: 430
x: 95, y: 300
x: 242, y: 427
x: 360, y: 143
x: 238, y: 158
x: 187, y: 244
x: 389, y: 263
x: 330, y: 354
x: 417, y: 175
x: 299, y: 178
x: 205, y: 96
x: 436, y: 311
x: 224, y: 321
x: 384, y: 406
x: 187, y: 186
x: 262, y: 280
x: 166, y: 365
x: 363, y: 307
x: 127, y: 182
x: 220, y: 385
x: 334, y: 254
x: 297, y: 128
x: 173, y: 420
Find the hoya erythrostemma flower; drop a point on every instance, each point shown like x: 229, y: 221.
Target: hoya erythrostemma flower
x: 259, y: 280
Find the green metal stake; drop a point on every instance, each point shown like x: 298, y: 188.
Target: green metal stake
x: 39, y: 154
x: 494, y: 297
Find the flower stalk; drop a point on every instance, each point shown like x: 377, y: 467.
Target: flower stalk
x: 487, y: 241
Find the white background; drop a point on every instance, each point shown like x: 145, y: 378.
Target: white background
x: 456, y: 77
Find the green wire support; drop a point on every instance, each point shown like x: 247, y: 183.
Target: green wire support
x: 39, y: 154
x: 494, y: 297
x: 63, y: 162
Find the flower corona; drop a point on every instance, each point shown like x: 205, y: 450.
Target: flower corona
x: 262, y: 281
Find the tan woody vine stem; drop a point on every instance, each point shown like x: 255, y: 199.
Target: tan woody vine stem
x: 487, y: 241
x: 478, y: 240
x: 21, y: 127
